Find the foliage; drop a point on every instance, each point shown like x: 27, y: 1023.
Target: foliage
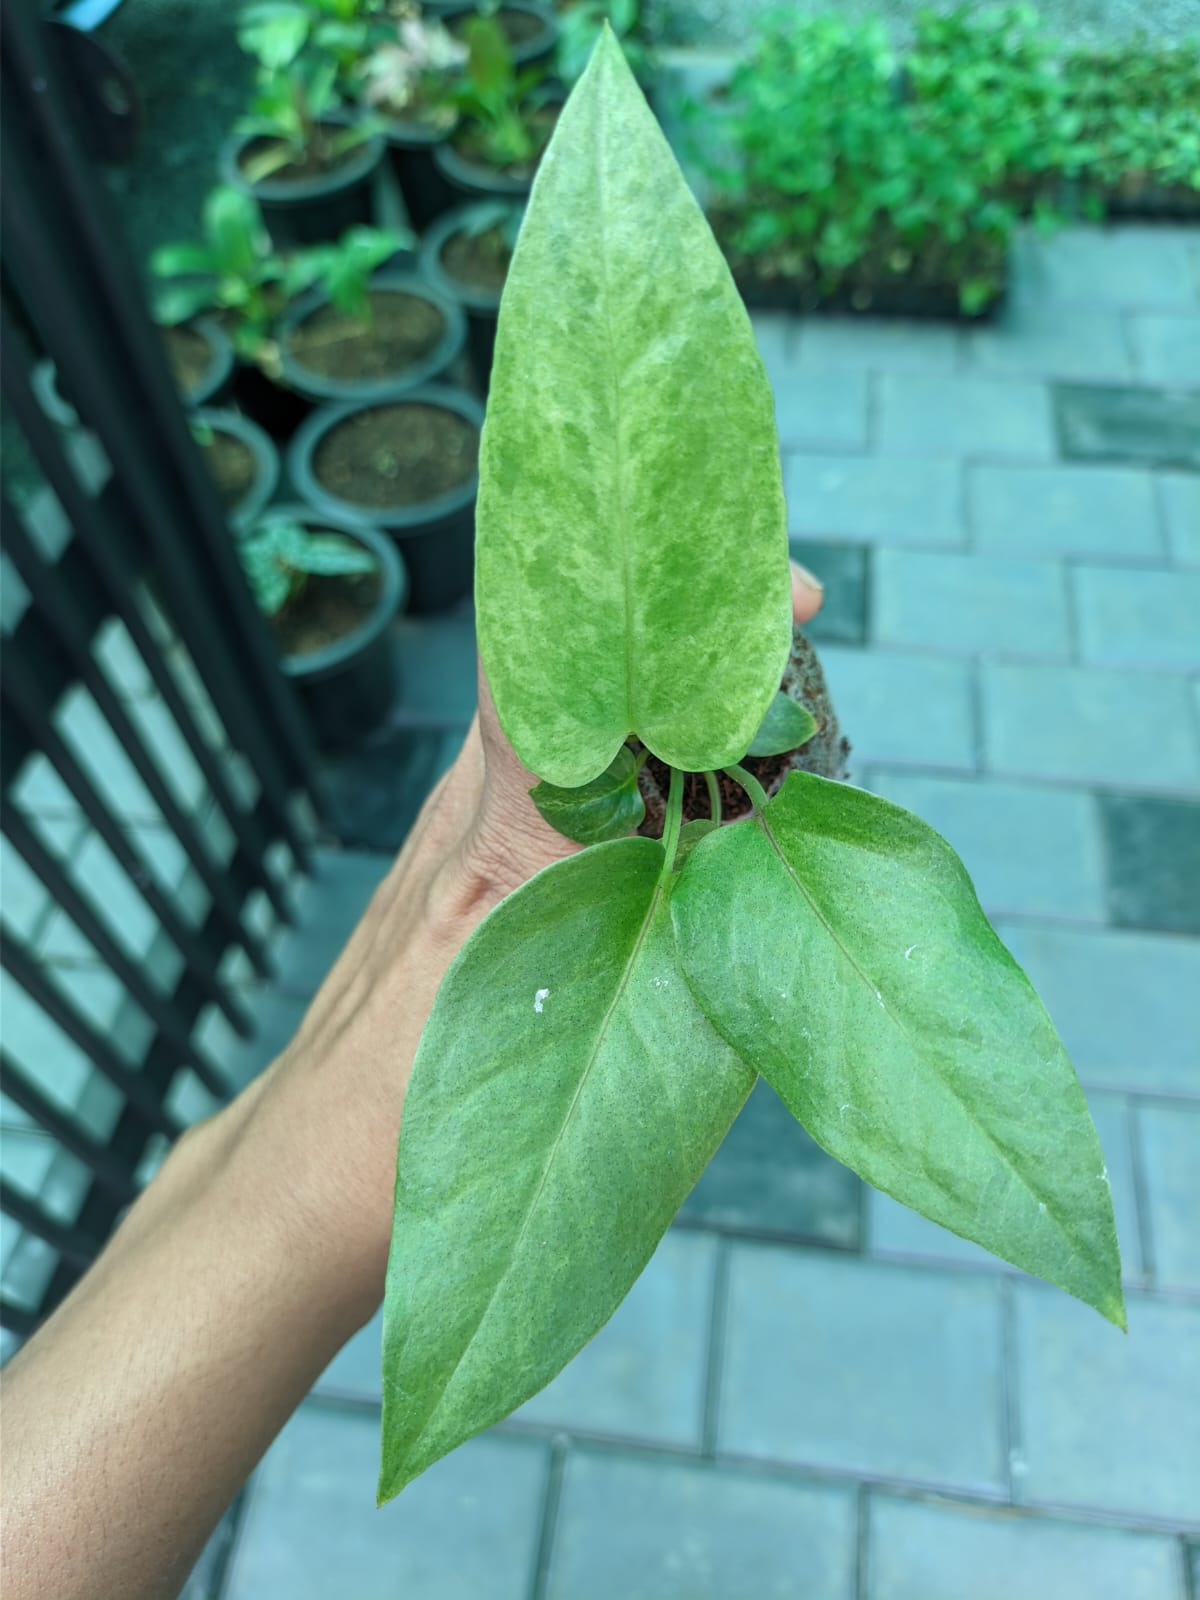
x: 234, y: 272
x: 415, y: 73
x: 596, y: 1035
x: 580, y: 24
x: 280, y: 555
x: 1139, y: 115
x: 500, y: 103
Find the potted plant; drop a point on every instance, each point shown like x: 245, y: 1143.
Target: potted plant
x: 198, y: 353
x: 409, y: 82
x: 507, y: 119
x: 597, y: 1033
x: 579, y: 26
x: 530, y: 30
x: 241, y: 460
x: 408, y: 464
x: 330, y: 591
x: 466, y: 255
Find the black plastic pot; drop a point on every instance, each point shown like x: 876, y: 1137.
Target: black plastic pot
x: 309, y: 210
x: 349, y: 687
x: 482, y: 306
x: 538, y: 47
x: 436, y: 537
x: 319, y: 388
x: 410, y: 147
x: 211, y: 387
x: 266, y: 463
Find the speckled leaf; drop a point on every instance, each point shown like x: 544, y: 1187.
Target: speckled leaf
x: 690, y: 836
x: 786, y: 726
x: 609, y: 807
x: 631, y: 555
x: 566, y: 1095
x: 837, y: 944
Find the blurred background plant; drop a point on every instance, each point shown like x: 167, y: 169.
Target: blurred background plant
x: 504, y: 106
x: 280, y: 555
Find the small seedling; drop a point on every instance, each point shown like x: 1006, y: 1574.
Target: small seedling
x: 280, y: 556
x: 500, y: 102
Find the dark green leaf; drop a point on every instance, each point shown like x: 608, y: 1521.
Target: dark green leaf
x: 786, y: 726
x: 838, y: 946
x: 609, y: 807
x: 690, y: 836
x: 566, y: 1095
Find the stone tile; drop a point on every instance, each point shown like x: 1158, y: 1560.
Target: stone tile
x: 889, y: 501
x: 845, y: 570
x: 1127, y: 1005
x: 1083, y: 725
x: 863, y: 1367
x: 376, y: 791
x: 435, y: 660
x: 1031, y: 852
x: 769, y: 1177
x: 468, y: 1527
x: 821, y: 410
x: 355, y: 1373
x: 663, y: 1530
x: 895, y: 1230
x: 1166, y: 349
x: 1138, y: 618
x: 775, y: 334
x: 1035, y: 340
x: 931, y: 415
x: 926, y: 1550
x: 1107, y: 1421
x: 1063, y: 511
x: 901, y: 709
x: 971, y: 604
x: 1179, y: 496
x: 1170, y: 1138
x: 330, y: 905
x: 877, y: 344
x: 276, y: 1016
x: 1152, y: 848
x: 1146, y: 427
x: 643, y: 1376
x: 1114, y: 267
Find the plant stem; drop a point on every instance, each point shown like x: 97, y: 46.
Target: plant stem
x: 640, y: 760
x: 674, y: 820
x: 714, y: 795
x: 751, y: 785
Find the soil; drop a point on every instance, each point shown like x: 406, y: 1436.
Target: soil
x: 825, y: 753
x: 480, y: 260
x: 314, y: 164
x: 469, y: 143
x: 397, y: 455
x: 403, y: 329
x: 327, y: 609
x: 231, y: 465
x: 518, y: 27
x: 189, y: 356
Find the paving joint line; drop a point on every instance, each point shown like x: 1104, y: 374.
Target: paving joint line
x: 548, y: 1519
x: 1141, y: 1195
x: 714, y: 1355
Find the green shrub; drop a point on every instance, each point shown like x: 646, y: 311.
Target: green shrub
x: 1138, y: 111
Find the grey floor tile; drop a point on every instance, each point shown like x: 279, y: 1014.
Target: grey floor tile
x: 1127, y: 1005
x: 1063, y: 511
x: 467, y: 1528
x: 820, y: 410
x: 1034, y: 340
x: 644, y: 1374
x: 376, y: 791
x: 863, y: 1367
x: 877, y: 344
x: 1129, y: 617
x: 1170, y: 1141
x: 1144, y: 427
x: 891, y: 501
x: 436, y: 662
x: 1152, y: 849
x: 355, y: 1372
x: 330, y: 905
x: 1031, y: 851
x: 895, y: 1230
x: 1109, y: 1421
x: 1088, y: 725
x: 929, y: 415
x: 903, y: 709
x: 1166, y: 349
x: 661, y: 1530
x: 1179, y: 495
x: 971, y: 604
x: 1127, y: 266
x: 926, y: 1550
x: 845, y: 570
x: 276, y: 1017
x: 769, y: 1177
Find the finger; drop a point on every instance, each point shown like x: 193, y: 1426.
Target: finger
x: 808, y: 593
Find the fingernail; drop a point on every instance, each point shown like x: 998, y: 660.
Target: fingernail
x: 807, y: 578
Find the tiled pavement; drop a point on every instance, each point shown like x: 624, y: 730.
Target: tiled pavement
x: 812, y: 1392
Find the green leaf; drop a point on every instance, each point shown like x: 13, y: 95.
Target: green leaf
x: 565, y: 1097
x: 630, y: 505
x: 838, y: 946
x: 690, y: 836
x: 178, y: 302
x: 609, y: 807
x: 330, y: 555
x: 786, y: 726
x: 178, y: 260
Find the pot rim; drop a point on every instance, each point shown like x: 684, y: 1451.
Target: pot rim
x: 436, y: 237
x: 359, y: 165
x: 535, y: 49
x: 266, y: 461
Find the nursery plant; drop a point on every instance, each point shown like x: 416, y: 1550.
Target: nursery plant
x: 1138, y: 109
x: 597, y: 1034
x: 500, y: 102
x: 579, y: 25
x: 280, y: 556
x: 414, y: 74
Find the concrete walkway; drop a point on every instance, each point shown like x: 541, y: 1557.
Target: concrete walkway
x: 812, y: 1393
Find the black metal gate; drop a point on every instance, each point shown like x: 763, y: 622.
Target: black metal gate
x: 157, y: 778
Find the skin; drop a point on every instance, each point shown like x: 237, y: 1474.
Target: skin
x: 138, y: 1410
